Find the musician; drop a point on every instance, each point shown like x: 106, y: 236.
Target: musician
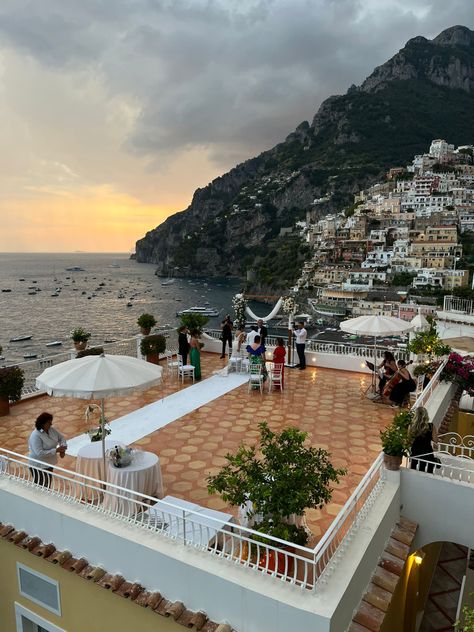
x: 389, y: 368
x: 402, y: 383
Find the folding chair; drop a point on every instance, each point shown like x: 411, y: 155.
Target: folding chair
x: 275, y: 376
x: 184, y: 370
x: 172, y: 364
x: 255, y: 377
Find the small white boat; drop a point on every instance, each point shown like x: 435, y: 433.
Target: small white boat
x: 168, y: 282
x: 54, y: 343
x: 21, y: 338
x: 75, y: 269
x: 204, y: 311
x: 30, y: 356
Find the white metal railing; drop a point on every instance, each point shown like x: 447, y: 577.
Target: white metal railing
x: 458, y: 305
x: 446, y: 466
x: 427, y: 392
x: 293, y: 564
x: 337, y: 348
x: 336, y: 538
x: 128, y: 346
x: 456, y: 445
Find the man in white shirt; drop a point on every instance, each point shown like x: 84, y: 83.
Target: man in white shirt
x: 301, y: 335
x: 251, y: 336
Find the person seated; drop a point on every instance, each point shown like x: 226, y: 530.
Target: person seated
x: 405, y: 385
x: 256, y: 353
x: 389, y: 368
x: 279, y: 357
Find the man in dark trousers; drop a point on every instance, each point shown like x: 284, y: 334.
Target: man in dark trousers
x: 262, y: 331
x: 226, y: 326
x: 300, y: 335
x: 183, y: 344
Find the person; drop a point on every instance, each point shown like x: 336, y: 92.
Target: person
x: 262, y: 331
x: 240, y: 337
x: 251, y: 335
x: 301, y: 335
x: 405, y: 385
x: 226, y: 326
x: 195, y: 353
x: 279, y: 357
x: 389, y: 368
x: 45, y: 443
x: 424, y: 438
x: 183, y: 343
x: 256, y: 353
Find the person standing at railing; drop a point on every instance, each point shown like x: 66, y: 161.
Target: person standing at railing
x: 301, y: 335
x: 183, y: 343
x: 45, y: 443
x: 227, y: 325
x: 424, y: 439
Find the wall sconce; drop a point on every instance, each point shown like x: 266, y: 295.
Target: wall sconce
x: 418, y: 557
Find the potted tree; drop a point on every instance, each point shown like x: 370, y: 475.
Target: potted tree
x: 12, y: 379
x: 152, y: 346
x: 146, y: 322
x: 288, y: 478
x: 80, y: 337
x: 194, y: 322
x: 395, y: 440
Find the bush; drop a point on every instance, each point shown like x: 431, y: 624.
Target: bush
x: 12, y: 379
x: 154, y: 344
x: 146, y: 321
x: 80, y: 335
x: 89, y: 352
x: 395, y: 437
x: 194, y: 322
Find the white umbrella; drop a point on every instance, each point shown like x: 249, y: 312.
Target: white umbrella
x: 98, y: 377
x: 376, y: 326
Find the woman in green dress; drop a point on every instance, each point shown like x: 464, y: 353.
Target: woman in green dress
x: 195, y: 354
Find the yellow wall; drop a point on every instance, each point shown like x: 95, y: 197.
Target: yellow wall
x: 464, y: 424
x: 84, y: 606
x: 412, y: 591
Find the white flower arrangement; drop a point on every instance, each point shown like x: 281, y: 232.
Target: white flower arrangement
x: 289, y: 305
x: 239, y: 303
x: 120, y: 456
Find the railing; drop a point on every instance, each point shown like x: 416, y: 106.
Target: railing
x: 456, y: 445
x: 127, y: 346
x: 337, y: 348
x: 332, y: 545
x: 459, y: 305
x: 446, y: 466
x: 200, y: 530
x: 427, y: 392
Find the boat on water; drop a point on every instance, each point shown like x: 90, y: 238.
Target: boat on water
x: 6, y: 290
x: 75, y: 269
x: 169, y: 282
x: 203, y: 311
x: 30, y: 356
x: 54, y: 343
x: 129, y: 304
x: 21, y: 338
x: 114, y: 265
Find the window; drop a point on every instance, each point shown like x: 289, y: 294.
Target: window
x: 39, y: 588
x: 27, y: 621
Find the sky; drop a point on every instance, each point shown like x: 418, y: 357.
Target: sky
x: 113, y: 112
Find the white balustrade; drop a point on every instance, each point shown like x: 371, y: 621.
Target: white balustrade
x: 458, y: 305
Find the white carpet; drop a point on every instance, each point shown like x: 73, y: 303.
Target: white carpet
x: 146, y: 420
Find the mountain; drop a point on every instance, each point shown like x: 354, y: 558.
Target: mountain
x: 233, y: 225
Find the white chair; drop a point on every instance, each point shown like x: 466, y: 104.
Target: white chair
x: 172, y: 364
x: 275, y: 375
x: 255, y: 377
x: 419, y: 388
x: 245, y: 360
x: 235, y: 361
x: 184, y: 370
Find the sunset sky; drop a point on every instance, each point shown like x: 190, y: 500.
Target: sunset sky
x: 113, y: 112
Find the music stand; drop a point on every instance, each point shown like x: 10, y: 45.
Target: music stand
x: 373, y: 382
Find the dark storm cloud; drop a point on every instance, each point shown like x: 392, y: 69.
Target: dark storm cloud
x: 231, y: 77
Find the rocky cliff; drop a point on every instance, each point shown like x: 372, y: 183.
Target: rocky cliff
x: 424, y: 92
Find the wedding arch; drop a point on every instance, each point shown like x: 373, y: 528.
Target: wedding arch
x: 271, y: 315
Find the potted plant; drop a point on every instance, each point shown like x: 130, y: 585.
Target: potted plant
x: 152, y: 346
x: 428, y: 343
x: 288, y: 478
x: 194, y: 322
x: 146, y: 322
x: 80, y: 337
x: 12, y: 379
x: 395, y: 440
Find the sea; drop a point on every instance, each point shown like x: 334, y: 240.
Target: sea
x: 46, y: 300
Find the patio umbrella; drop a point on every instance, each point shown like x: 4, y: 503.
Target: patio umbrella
x: 99, y: 377
x: 376, y: 326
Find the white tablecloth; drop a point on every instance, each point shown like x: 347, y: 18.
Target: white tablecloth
x: 89, y: 458
x: 143, y: 475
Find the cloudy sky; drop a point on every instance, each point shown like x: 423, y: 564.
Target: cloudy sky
x: 112, y: 112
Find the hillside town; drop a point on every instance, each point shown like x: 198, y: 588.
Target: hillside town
x: 401, y: 245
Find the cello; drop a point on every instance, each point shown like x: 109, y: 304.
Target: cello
x: 393, y: 381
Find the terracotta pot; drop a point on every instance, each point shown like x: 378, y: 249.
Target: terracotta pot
x: 392, y: 462
x: 80, y: 345
x: 145, y: 330
x: 276, y: 560
x: 4, y: 406
x: 154, y: 358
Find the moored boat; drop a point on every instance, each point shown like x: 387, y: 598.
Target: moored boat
x: 204, y: 311
x: 54, y: 343
x: 21, y: 338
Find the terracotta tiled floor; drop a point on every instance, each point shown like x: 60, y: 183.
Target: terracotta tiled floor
x: 326, y: 403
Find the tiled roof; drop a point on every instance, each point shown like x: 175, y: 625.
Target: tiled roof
x: 376, y: 601
x: 155, y: 601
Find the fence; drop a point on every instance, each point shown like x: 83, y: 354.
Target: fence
x: 459, y: 305
x: 427, y: 392
x: 128, y: 346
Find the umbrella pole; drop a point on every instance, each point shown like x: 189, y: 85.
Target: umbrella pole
x: 375, y: 373
x: 102, y: 427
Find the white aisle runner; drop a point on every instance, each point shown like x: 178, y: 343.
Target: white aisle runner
x: 146, y: 420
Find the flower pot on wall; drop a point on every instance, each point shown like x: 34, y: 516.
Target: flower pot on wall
x: 4, y: 406
x: 145, y: 330
x: 80, y: 345
x: 154, y: 358
x: 392, y: 462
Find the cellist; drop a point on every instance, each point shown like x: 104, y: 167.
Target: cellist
x: 389, y: 367
x: 402, y: 383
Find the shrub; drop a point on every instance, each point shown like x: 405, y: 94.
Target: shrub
x: 154, y: 344
x: 12, y: 379
x: 194, y: 322
x: 80, y: 335
x: 395, y: 437
x: 146, y: 321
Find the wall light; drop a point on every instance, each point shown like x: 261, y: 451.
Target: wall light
x: 418, y: 557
